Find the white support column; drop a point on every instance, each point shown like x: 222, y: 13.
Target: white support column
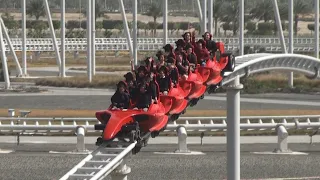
x: 204, y: 16
x: 282, y: 146
x: 210, y: 16
x: 165, y: 22
x: 89, y: 41
x: 93, y: 37
x: 316, y: 28
x: 279, y: 25
x: 241, y: 27
x: 80, y: 139
x: 24, y: 37
x: 182, y: 140
x: 135, y: 32
x: 63, y: 38
x: 53, y: 35
x: 4, y: 62
x: 233, y: 129
x: 290, y: 77
x: 126, y: 27
x: 15, y: 58
x: 200, y: 14
x: 121, y: 172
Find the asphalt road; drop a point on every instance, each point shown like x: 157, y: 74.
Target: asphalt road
x: 95, y: 99
x: 32, y: 161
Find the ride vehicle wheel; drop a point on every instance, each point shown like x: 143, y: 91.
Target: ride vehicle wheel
x: 99, y: 141
x: 136, y: 149
x: 155, y: 134
x: 193, y: 102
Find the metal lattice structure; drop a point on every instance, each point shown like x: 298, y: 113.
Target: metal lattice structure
x: 265, y: 62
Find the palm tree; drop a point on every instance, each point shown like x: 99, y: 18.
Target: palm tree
x: 217, y: 14
x: 36, y: 8
x: 231, y: 16
x: 299, y: 7
x: 263, y: 11
x: 99, y: 12
x: 154, y: 11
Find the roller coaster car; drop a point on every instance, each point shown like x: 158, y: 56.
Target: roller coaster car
x: 212, y: 73
x: 178, y: 104
x: 135, y: 125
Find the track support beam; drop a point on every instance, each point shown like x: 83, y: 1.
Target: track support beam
x: 282, y: 146
x: 121, y: 172
x: 80, y: 139
x: 182, y: 140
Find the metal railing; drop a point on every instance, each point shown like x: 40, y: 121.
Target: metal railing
x: 153, y: 44
x: 85, y: 126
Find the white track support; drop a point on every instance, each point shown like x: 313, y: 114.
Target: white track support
x: 24, y: 37
x: 100, y: 163
x: 200, y: 14
x: 210, y: 17
x: 53, y: 34
x: 135, y: 32
x: 15, y: 58
x: 80, y: 139
x: 316, y: 28
x: 63, y: 38
x: 4, y: 62
x: 126, y: 27
x: 279, y: 25
x: 233, y: 129
x: 165, y: 22
x: 204, y: 16
x: 89, y: 42
x: 282, y: 140
x: 182, y: 140
x: 93, y: 37
x: 290, y: 2
x: 121, y: 172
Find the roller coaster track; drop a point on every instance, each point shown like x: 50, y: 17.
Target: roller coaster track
x: 101, y: 162
x: 153, y: 44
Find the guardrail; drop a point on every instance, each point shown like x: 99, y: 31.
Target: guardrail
x: 153, y: 44
x: 84, y: 126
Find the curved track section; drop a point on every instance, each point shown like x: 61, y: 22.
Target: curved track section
x: 265, y: 62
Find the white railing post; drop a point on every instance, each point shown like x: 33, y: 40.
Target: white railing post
x: 80, y: 139
x: 121, y: 172
x: 11, y: 112
x: 182, y: 140
x: 282, y: 146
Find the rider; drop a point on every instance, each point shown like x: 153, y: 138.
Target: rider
x: 132, y: 84
x: 163, y: 80
x: 168, y: 51
x: 152, y: 87
x: 191, y: 57
x: 121, y: 98
x: 161, y: 59
x: 201, y: 52
x: 173, y: 71
x: 180, y: 45
x: 141, y: 73
x: 144, y: 97
x: 149, y: 64
x: 210, y: 44
x: 182, y: 65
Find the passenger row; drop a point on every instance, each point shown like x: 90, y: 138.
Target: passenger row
x: 143, y: 86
